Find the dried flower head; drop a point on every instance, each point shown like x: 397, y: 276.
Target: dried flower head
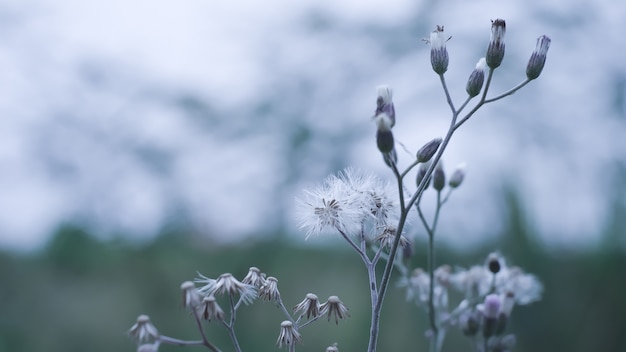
x: 191, y: 297
x: 226, y: 284
x: 495, y: 49
x: 288, y: 335
x: 309, y: 306
x: 143, y: 330
x: 388, y: 235
x: 254, y: 277
x: 269, y: 291
x: 438, y: 52
x: 210, y: 309
x: 334, y: 308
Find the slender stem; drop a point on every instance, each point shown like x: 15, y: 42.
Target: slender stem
x: 380, y: 295
x: 231, y: 325
x: 177, y: 342
x: 409, y: 168
x: 445, y: 89
x: 361, y: 253
x: 509, y: 92
x: 284, y: 309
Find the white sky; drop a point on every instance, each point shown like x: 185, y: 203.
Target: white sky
x: 86, y: 92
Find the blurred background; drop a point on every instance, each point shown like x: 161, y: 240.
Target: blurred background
x: 143, y: 141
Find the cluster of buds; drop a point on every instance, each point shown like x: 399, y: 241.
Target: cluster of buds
x: 438, y: 177
x: 493, y: 56
x: 490, y: 319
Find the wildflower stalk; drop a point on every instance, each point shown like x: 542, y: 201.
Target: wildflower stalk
x: 454, y: 125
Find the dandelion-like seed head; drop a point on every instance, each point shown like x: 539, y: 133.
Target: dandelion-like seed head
x: 143, y: 330
x: 334, y: 309
x: 345, y: 201
x: 387, y: 237
x: 288, y: 334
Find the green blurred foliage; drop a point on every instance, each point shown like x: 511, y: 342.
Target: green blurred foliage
x: 82, y: 294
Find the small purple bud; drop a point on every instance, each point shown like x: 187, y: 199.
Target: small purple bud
x: 495, y: 50
x: 476, y: 79
x: 428, y: 150
x: 490, y: 310
x: 457, y: 176
x: 384, y: 137
x: 421, y: 173
x: 538, y: 57
x: 439, y: 177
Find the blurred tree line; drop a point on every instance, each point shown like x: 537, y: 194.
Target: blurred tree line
x: 83, y: 294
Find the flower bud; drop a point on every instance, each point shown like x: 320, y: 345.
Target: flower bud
x: 384, y: 103
x: 428, y: 150
x: 476, y: 79
x: 384, y: 137
x: 493, y: 263
x: 538, y: 57
x: 457, y: 176
x: 438, y: 51
x: 439, y: 177
x: 495, y: 50
x: 469, y: 324
x: 491, y: 308
x: 421, y: 172
x: 390, y: 158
